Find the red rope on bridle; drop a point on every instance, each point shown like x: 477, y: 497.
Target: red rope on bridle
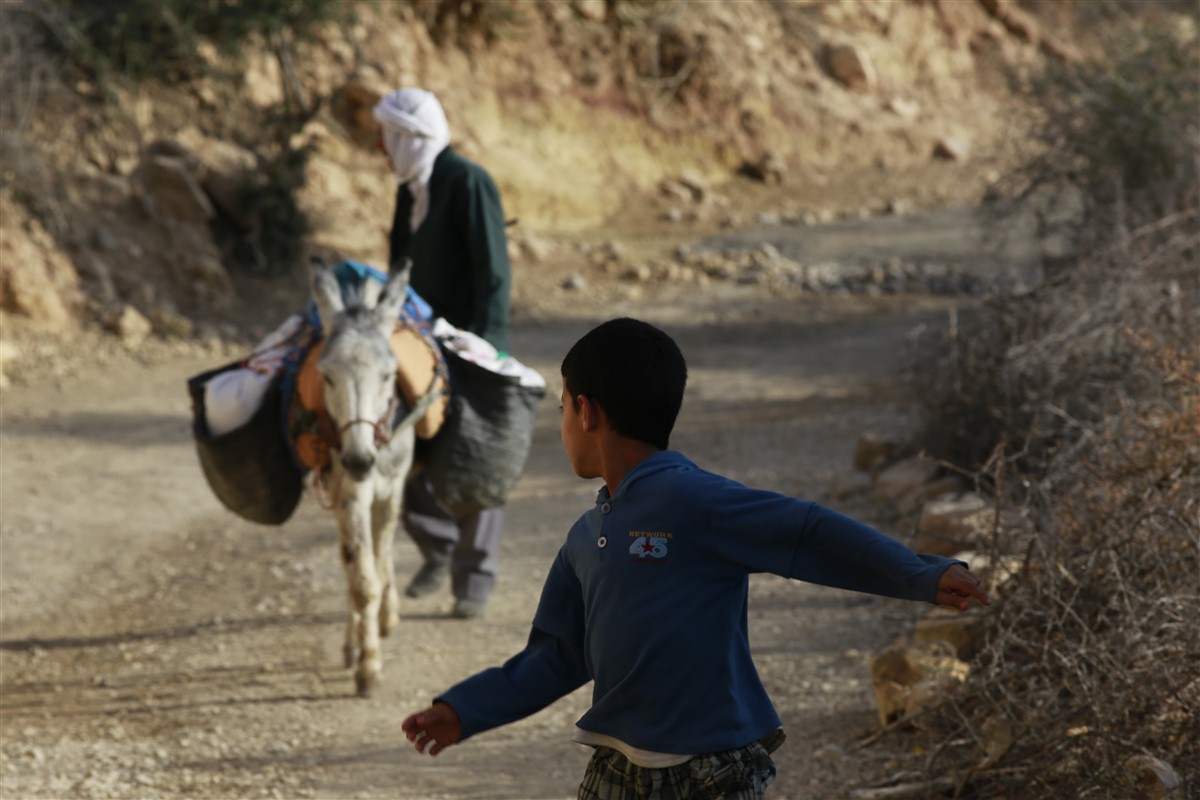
x: 382, y: 426
x: 383, y: 435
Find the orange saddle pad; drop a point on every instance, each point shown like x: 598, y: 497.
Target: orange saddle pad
x: 416, y: 373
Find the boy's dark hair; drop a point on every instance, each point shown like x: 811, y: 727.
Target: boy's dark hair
x: 635, y: 372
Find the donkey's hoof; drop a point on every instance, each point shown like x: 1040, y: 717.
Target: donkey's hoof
x: 365, y: 685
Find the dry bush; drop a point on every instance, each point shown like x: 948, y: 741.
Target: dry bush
x: 1091, y: 386
x: 1024, y: 376
x: 1094, y: 650
x: 1117, y: 136
x: 1079, y: 403
x: 28, y: 81
x: 469, y: 25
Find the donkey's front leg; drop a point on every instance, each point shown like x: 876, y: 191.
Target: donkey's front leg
x: 366, y: 591
x: 384, y: 518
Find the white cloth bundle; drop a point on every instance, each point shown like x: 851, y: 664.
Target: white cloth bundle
x: 232, y: 397
x: 479, y: 351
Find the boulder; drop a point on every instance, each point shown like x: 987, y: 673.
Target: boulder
x: 997, y: 735
x: 354, y: 106
x: 37, y: 278
x: 949, y: 525
x: 963, y: 631
x: 768, y: 167
x: 951, y: 148
x: 168, y: 185
x: 907, y: 485
x: 1155, y: 779
x: 994, y: 571
x: 850, y: 66
x: 907, y: 679
x: 872, y: 453
x: 129, y: 324
x: 594, y: 10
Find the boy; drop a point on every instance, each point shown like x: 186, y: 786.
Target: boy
x: 647, y: 597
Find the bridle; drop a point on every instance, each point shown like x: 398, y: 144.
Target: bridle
x: 383, y: 433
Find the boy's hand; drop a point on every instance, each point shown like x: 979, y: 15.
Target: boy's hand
x: 437, y: 727
x: 957, y: 586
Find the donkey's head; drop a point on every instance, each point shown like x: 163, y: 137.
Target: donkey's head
x: 358, y: 365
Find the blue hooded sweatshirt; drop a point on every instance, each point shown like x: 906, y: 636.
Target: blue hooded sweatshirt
x: 648, y: 598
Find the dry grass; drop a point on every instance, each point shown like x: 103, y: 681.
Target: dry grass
x: 1085, y: 397
x: 1078, y: 402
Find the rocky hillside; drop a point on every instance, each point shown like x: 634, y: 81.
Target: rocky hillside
x: 630, y: 124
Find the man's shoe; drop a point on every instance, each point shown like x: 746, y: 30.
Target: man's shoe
x: 428, y: 579
x: 465, y: 608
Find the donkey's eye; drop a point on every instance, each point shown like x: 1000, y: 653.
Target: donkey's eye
x: 329, y: 382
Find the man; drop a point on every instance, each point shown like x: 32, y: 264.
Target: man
x: 450, y: 222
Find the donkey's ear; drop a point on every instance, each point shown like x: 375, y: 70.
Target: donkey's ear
x: 394, y: 295
x: 404, y: 265
x: 327, y: 294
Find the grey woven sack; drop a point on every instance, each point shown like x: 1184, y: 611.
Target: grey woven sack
x: 249, y: 469
x: 480, y: 453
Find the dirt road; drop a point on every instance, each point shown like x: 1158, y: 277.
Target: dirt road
x: 156, y: 646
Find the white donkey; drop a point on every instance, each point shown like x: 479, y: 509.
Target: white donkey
x: 370, y: 457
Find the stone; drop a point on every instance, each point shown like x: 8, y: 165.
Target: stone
x: 768, y: 167
x: 993, y: 571
x: 951, y: 148
x: 963, y: 631
x: 9, y: 352
x: 872, y: 453
x: 997, y: 734
x: 1155, y: 778
x: 671, y: 188
x: 37, y: 277
x: 172, y: 323
x: 907, y: 678
x: 225, y: 191
x: 694, y: 183
x: 595, y: 10
x: 901, y: 485
x: 535, y: 249
x: 849, y: 484
x: 950, y: 525
x: 208, y: 271
x: 129, y: 324
x: 905, y: 109
x: 850, y: 66
x: 169, y: 181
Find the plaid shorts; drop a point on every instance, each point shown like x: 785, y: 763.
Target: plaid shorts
x: 741, y: 774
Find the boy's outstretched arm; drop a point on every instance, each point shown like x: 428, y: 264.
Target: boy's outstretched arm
x: 956, y: 588
x: 437, y: 727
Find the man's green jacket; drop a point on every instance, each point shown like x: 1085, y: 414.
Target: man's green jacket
x: 459, y: 252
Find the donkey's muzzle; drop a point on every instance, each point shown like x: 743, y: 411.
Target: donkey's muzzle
x: 358, y: 467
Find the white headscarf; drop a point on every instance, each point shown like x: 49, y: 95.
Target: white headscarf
x: 414, y: 132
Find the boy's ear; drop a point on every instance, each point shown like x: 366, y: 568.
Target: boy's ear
x: 589, y: 412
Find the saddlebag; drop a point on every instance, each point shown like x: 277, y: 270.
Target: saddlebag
x: 250, y: 468
x: 481, y: 450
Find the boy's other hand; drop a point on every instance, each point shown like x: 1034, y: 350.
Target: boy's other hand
x: 957, y: 586
x: 437, y: 727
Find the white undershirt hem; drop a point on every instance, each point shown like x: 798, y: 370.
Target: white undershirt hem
x: 649, y: 759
